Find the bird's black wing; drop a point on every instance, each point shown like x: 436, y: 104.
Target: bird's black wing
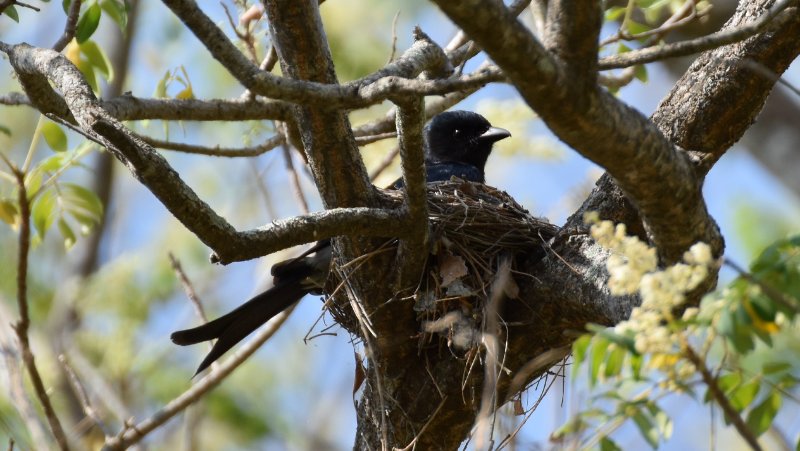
x: 462, y: 157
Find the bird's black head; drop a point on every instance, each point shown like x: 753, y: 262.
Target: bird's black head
x: 462, y: 137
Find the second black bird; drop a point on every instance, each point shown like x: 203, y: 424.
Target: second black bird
x: 457, y: 144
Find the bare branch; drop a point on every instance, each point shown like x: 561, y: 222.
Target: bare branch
x: 702, y: 97
x: 284, y: 233
x: 188, y: 288
x: 69, y: 28
x: 217, y: 151
x: 22, y: 326
x: 80, y: 393
x: 392, y: 80
x: 720, y: 397
x: 712, y: 41
x: 130, y: 108
x: 137, y: 432
x: 412, y: 251
x: 294, y: 177
x: 14, y: 98
x: 152, y: 170
x: 598, y: 126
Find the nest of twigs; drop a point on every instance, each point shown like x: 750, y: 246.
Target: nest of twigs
x: 475, y: 229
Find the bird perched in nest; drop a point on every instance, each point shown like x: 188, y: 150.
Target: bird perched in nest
x: 457, y: 144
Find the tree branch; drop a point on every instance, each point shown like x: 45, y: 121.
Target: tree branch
x: 573, y: 29
x: 152, y: 170
x: 598, y: 126
x: 217, y: 151
x: 730, y: 35
x: 726, y: 85
x: 368, y: 90
x: 21, y: 327
x: 134, y: 434
x: 69, y: 28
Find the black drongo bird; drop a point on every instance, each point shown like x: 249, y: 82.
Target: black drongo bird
x: 457, y: 143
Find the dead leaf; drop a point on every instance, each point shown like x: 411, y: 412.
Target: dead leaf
x: 451, y: 268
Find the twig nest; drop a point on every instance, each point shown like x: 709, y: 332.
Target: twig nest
x: 474, y: 228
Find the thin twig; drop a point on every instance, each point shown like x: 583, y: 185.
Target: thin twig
x: 216, y: 151
x: 187, y: 287
x: 69, y: 28
x: 135, y: 433
x: 677, y: 20
x: 385, y: 163
x: 684, y: 48
x: 6, y: 3
x: 369, y: 139
x: 719, y: 396
x: 83, y: 397
x: 294, y: 177
x: 786, y: 301
x: 394, y: 37
x: 22, y: 326
x: 16, y: 388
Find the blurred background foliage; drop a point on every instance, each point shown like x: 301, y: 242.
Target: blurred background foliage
x: 112, y: 321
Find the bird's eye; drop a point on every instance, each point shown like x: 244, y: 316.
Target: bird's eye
x: 456, y: 132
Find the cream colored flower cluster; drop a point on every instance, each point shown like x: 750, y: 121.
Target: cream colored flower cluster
x: 633, y: 268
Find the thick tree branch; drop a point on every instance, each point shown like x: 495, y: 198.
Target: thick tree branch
x: 573, y: 30
x: 330, y: 147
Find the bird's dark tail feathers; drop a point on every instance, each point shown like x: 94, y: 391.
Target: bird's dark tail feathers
x: 231, y: 328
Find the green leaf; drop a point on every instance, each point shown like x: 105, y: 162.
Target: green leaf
x: 98, y: 59
x: 646, y: 428
x: 760, y: 418
x: 12, y: 12
x: 640, y: 72
x: 763, y: 306
x: 614, y: 13
x: 636, y: 361
x: 579, y: 348
x: 741, y: 397
x: 5, y: 130
x: 52, y: 163
x: 117, y: 12
x: 596, y: 357
x: 775, y: 367
x: 88, y: 22
x: 635, y: 27
x: 738, y: 334
x: 8, y: 211
x: 161, y: 87
x: 606, y: 444
x: 66, y: 233
x: 611, y: 335
x: 614, y: 362
x: 43, y: 212
x: 33, y: 181
x: 82, y: 201
x: 55, y: 137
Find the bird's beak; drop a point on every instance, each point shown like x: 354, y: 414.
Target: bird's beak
x: 494, y: 134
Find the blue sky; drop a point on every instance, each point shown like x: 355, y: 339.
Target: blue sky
x: 541, y: 185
